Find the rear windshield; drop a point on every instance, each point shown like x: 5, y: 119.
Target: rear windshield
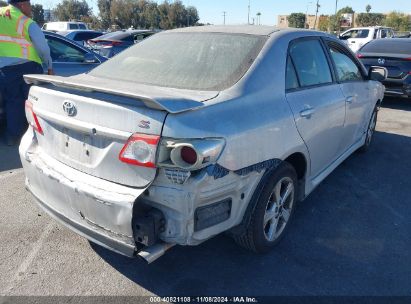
x: 116, y: 36
x: 73, y: 26
x: 196, y: 61
x: 393, y: 46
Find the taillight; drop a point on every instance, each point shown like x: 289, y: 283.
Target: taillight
x: 189, y: 155
x: 359, y: 55
x: 32, y: 117
x: 140, y: 150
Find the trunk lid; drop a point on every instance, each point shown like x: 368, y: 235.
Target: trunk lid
x: 86, y: 126
x: 397, y: 66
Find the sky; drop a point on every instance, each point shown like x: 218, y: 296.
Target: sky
x: 211, y: 11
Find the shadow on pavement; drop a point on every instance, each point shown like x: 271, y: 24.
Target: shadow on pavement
x: 9, y: 156
x: 351, y: 236
x: 397, y: 103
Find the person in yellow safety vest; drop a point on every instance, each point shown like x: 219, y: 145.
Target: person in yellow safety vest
x: 23, y: 50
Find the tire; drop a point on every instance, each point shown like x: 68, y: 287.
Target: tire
x: 269, y: 222
x: 370, y: 131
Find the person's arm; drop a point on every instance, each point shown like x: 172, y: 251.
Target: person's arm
x: 41, y: 46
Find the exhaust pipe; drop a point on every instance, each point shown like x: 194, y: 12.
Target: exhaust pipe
x: 152, y: 253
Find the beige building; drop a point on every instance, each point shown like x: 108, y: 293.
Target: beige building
x: 348, y: 21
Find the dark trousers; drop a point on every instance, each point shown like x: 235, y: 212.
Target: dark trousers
x: 15, y: 92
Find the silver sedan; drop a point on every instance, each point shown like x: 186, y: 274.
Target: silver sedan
x: 194, y: 132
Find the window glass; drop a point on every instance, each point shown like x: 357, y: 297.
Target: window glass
x: 291, y: 81
x: 347, y: 70
x: 197, y: 61
x: 73, y: 26
x: 383, y: 34
x: 310, y: 63
x: 356, y: 34
x: 82, y: 26
x: 63, y: 52
x: 394, y: 46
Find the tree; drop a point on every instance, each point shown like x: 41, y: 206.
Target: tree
x: 296, y: 20
x: 3, y: 3
x: 104, y: 13
x: 368, y: 8
x: 38, y: 13
x: 324, y: 23
x: 72, y: 10
x: 345, y: 10
x: 370, y: 19
x: 398, y: 21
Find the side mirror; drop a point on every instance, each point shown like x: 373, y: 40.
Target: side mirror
x: 377, y: 73
x: 90, y: 58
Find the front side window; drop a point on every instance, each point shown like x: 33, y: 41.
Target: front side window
x: 63, y: 52
x: 346, y: 68
x: 310, y: 63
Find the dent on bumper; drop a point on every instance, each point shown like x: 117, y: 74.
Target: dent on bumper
x: 99, y: 210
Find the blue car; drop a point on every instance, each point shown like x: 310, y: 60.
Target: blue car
x: 81, y: 36
x: 113, y: 43
x: 69, y: 58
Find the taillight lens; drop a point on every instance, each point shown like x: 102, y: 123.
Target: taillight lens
x: 32, y: 117
x: 140, y: 150
x: 359, y: 55
x: 189, y: 155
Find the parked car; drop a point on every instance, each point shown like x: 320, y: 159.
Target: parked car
x: 113, y: 43
x: 81, y: 36
x: 194, y: 132
x: 64, y: 26
x: 395, y: 56
x: 359, y: 36
x: 68, y: 57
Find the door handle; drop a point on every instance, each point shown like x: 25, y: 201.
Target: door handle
x: 307, y: 112
x: 349, y: 99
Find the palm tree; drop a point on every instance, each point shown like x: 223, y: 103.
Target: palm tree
x: 368, y: 8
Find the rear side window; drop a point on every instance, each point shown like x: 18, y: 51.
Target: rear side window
x: 82, y: 26
x: 310, y: 63
x: 347, y: 69
x: 291, y: 80
x: 73, y: 26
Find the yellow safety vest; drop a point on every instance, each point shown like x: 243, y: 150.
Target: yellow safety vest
x: 14, y: 35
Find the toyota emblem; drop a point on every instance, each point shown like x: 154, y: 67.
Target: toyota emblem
x: 70, y: 108
x: 381, y: 60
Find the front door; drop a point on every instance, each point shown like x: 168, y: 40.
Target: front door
x: 355, y: 88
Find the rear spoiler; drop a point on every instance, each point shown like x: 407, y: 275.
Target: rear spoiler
x: 168, y: 99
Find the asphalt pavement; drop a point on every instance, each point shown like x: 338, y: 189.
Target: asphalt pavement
x: 351, y: 236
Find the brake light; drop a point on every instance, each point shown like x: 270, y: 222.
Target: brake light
x: 189, y: 155
x: 140, y: 150
x: 359, y: 55
x: 32, y: 117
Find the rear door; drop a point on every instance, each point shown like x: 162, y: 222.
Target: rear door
x: 356, y: 90
x: 316, y: 100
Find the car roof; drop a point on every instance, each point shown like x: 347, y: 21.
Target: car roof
x: 77, y: 31
x: 258, y: 30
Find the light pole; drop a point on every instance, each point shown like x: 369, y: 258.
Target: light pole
x: 224, y: 13
x: 306, y: 14
x: 249, y: 7
x: 335, y: 16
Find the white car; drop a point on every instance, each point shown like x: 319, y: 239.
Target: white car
x: 64, y: 26
x: 359, y: 36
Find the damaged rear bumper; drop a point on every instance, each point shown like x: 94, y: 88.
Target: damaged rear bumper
x: 99, y: 210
